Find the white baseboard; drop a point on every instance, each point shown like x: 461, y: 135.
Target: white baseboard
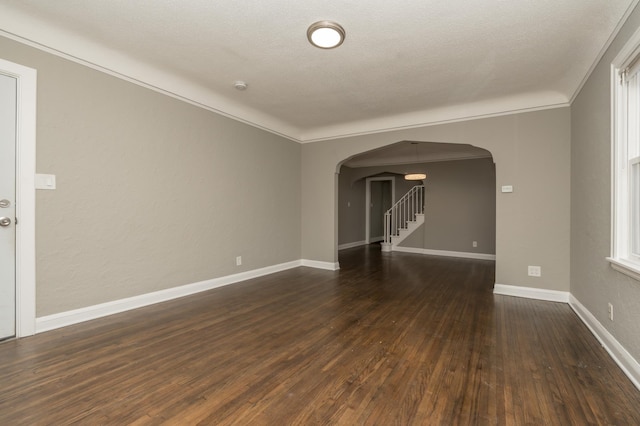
x: 620, y: 355
x: 625, y: 361
x: 62, y: 319
x: 352, y: 245
x: 462, y: 254
x: 531, y: 293
x: 330, y: 266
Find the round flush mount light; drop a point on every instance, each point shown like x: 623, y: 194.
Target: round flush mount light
x: 240, y: 85
x: 326, y: 34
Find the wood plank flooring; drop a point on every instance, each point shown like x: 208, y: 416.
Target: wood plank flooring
x: 395, y: 339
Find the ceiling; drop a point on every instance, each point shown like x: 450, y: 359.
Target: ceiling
x: 409, y: 152
x: 404, y: 63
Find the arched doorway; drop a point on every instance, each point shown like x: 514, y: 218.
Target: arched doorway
x: 460, y: 208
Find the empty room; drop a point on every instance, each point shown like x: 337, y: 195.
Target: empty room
x: 314, y: 213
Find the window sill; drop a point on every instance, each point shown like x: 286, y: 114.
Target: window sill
x: 625, y: 267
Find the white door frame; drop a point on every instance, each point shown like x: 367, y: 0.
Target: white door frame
x: 25, y: 196
x: 368, y: 201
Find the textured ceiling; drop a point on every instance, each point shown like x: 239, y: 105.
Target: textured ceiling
x: 404, y: 62
x: 408, y: 152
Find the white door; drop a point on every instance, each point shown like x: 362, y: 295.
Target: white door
x: 8, y: 93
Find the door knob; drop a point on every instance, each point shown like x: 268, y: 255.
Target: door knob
x: 4, y: 204
x: 5, y: 221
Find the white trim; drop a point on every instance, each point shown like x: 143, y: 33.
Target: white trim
x: 37, y: 33
x: 614, y: 132
x: 446, y: 253
x: 367, y: 203
x: 604, y: 49
x: 25, y: 196
x: 76, y: 316
x: 531, y: 293
x: 429, y: 118
x: 627, y: 50
x: 620, y: 355
x: 629, y: 270
x: 329, y: 266
x: 621, y: 259
x: 57, y: 41
x: 115, y: 64
x: 352, y: 245
x: 629, y: 366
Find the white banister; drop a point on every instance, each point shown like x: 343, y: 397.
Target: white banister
x: 401, y: 213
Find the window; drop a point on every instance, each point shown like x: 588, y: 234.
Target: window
x: 625, y: 256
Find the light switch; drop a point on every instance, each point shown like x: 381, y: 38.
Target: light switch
x: 507, y: 188
x: 45, y: 181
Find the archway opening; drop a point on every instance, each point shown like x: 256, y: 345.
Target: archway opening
x: 459, y: 197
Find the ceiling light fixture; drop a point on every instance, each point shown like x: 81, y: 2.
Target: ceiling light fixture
x: 326, y: 34
x: 415, y: 176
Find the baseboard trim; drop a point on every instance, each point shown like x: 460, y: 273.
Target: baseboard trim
x: 625, y: 361
x: 446, y: 253
x: 329, y: 266
x: 620, y: 355
x: 352, y: 245
x: 531, y: 293
x: 63, y: 319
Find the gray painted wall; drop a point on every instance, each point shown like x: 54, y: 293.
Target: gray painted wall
x: 149, y: 196
x: 460, y: 204
x: 351, y: 215
x: 593, y: 282
x: 460, y: 207
x: 152, y: 192
x: 532, y: 153
x: 352, y: 198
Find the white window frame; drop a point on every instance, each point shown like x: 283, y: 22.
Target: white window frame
x: 624, y: 133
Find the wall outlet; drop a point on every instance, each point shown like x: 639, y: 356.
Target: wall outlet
x: 475, y: 244
x: 238, y: 260
x: 610, y: 310
x: 535, y: 271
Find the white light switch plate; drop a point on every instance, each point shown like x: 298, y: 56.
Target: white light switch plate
x: 45, y: 181
x: 507, y: 188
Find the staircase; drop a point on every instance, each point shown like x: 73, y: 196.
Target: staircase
x: 404, y: 217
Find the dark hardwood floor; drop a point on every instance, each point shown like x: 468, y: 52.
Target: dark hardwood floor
x: 393, y: 339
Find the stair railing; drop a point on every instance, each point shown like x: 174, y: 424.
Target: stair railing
x: 403, y: 211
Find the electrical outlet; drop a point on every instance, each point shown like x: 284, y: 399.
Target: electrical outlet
x: 535, y: 271
x: 238, y: 260
x: 475, y: 244
x: 610, y: 310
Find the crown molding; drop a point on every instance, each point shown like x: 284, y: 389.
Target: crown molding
x: 60, y: 42
x: 519, y: 104
x: 603, y: 50
x: 46, y: 37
